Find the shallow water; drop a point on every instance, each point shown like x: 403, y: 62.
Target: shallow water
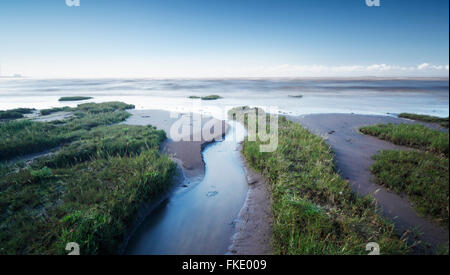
x: 378, y: 97
x: 199, y: 219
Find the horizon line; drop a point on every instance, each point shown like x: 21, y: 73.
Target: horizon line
x: 235, y: 77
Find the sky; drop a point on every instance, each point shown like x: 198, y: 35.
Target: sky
x: 224, y: 38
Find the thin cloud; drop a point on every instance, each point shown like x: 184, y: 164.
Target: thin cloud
x: 424, y: 69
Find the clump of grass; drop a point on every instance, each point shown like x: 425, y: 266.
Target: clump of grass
x: 10, y: 115
x: 422, y: 176
x: 15, y: 113
x: 18, y: 138
x: 74, y: 98
x: 23, y: 111
x: 314, y: 209
x: 46, y: 112
x: 210, y: 97
x: 425, y: 118
x: 415, y: 135
x: 296, y: 96
x: 89, y: 191
x: 104, y: 141
x: 90, y: 203
x: 95, y: 108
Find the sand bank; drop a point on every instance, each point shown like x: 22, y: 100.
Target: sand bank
x: 187, y: 153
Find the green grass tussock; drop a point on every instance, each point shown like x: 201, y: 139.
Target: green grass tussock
x: 414, y: 135
x: 23, y: 111
x: 10, y: 115
x: 74, y: 98
x: 15, y: 113
x: 18, y: 138
x: 314, y: 209
x: 423, y: 177
x: 425, y: 118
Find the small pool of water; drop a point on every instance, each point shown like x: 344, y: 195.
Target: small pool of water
x: 199, y: 219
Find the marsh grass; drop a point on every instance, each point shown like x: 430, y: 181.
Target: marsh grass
x: 104, y: 141
x: 210, y: 97
x: 23, y: 111
x: 18, y: 138
x: 46, y: 112
x: 10, y: 115
x: 425, y: 118
x: 422, y: 175
x: 15, y: 113
x: 74, y: 98
x: 314, y: 209
x: 89, y: 191
x: 412, y: 135
x: 90, y: 203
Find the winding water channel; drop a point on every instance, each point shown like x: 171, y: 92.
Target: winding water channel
x: 199, y: 219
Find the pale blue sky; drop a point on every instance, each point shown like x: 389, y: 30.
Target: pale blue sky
x: 194, y: 38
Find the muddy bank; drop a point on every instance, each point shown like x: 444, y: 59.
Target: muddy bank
x: 52, y: 117
x: 254, y: 223
x: 354, y: 153
x: 186, y: 152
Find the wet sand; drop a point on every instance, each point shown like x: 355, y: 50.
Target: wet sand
x: 186, y: 153
x: 254, y: 224
x: 52, y: 117
x: 354, y: 153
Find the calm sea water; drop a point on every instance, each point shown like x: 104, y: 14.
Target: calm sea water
x: 319, y: 96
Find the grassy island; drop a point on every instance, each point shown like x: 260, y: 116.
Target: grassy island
x: 210, y: 97
x: 74, y: 98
